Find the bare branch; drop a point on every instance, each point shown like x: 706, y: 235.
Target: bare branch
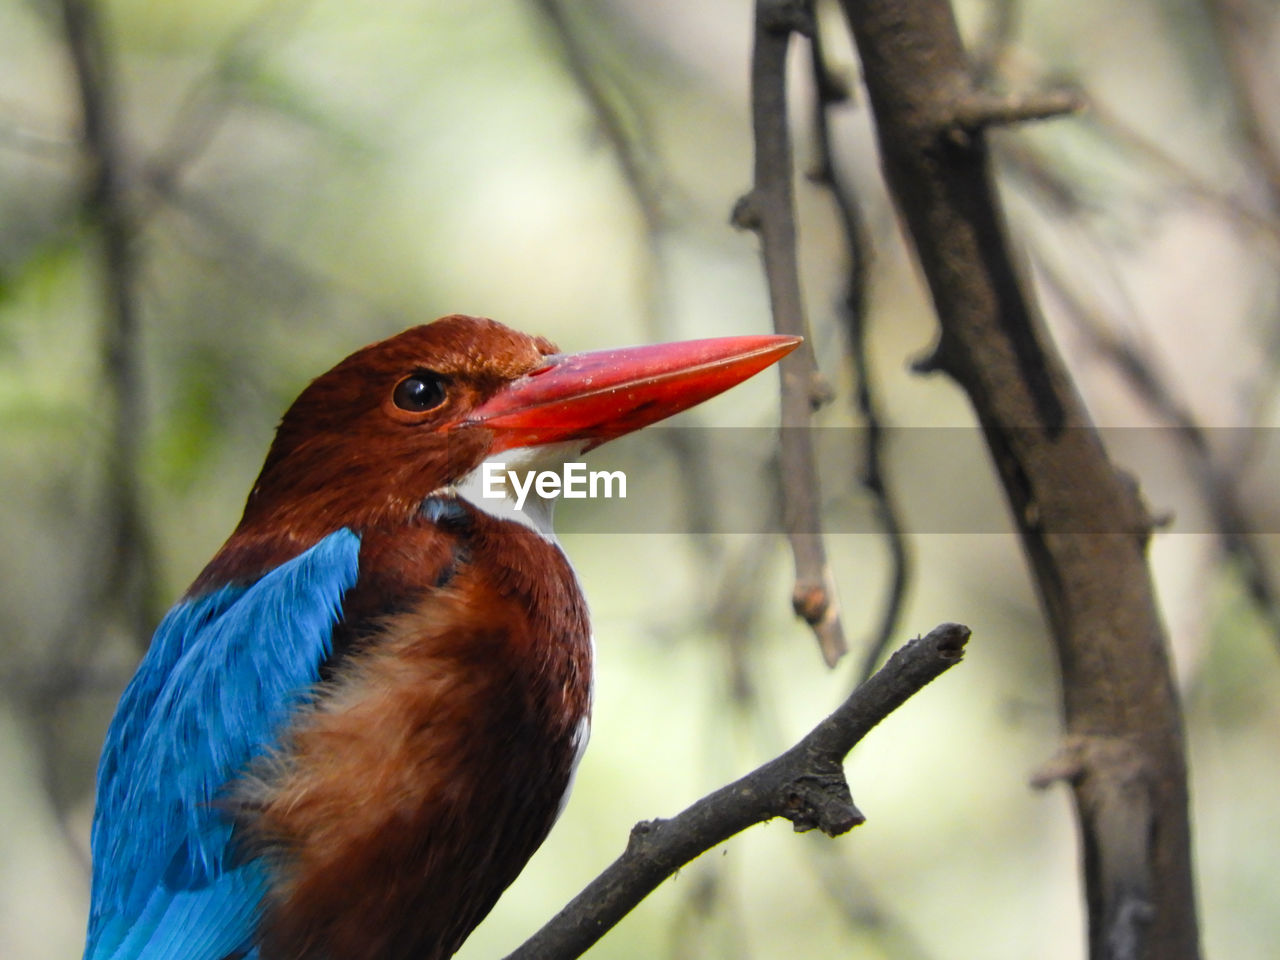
x: 769, y: 210
x: 806, y: 785
x: 853, y: 895
x: 25, y: 139
x: 1213, y: 478
x: 116, y: 578
x: 1095, y: 587
x: 831, y: 93
x: 980, y: 108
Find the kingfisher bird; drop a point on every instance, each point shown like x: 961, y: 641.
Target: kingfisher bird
x: 357, y: 725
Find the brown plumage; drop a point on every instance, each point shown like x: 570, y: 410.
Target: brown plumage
x: 448, y: 737
x: 345, y: 455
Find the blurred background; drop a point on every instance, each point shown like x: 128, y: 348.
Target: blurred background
x: 305, y: 176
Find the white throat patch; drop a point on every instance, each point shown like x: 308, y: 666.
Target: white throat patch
x: 536, y: 512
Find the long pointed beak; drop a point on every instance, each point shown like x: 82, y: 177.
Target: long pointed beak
x: 603, y: 394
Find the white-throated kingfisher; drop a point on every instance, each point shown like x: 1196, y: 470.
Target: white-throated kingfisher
x: 361, y: 720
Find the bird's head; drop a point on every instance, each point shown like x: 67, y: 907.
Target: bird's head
x: 367, y: 441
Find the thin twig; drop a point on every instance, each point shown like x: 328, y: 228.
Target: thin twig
x: 40, y: 144
x: 1234, y: 33
x: 735, y: 621
x: 768, y: 209
x: 274, y: 268
x: 831, y: 93
x: 1217, y: 491
x: 981, y: 108
x: 626, y: 145
x: 116, y: 580
x: 853, y: 895
x: 1026, y: 160
x: 806, y: 785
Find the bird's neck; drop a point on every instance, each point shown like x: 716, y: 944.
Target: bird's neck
x: 276, y: 528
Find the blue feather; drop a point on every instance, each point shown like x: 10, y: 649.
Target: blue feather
x: 215, y: 690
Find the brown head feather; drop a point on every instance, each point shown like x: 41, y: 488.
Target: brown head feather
x: 345, y: 456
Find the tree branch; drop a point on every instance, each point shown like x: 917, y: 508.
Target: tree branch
x: 832, y: 92
x: 806, y: 785
x: 769, y: 210
x: 1095, y: 587
x: 979, y: 108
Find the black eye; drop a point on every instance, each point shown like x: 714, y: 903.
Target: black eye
x: 422, y: 391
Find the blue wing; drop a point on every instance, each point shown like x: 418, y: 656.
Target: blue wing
x: 213, y: 692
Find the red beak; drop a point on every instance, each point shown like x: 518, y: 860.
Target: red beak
x: 603, y: 394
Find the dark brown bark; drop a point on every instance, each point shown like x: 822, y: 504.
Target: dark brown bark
x: 1081, y: 522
